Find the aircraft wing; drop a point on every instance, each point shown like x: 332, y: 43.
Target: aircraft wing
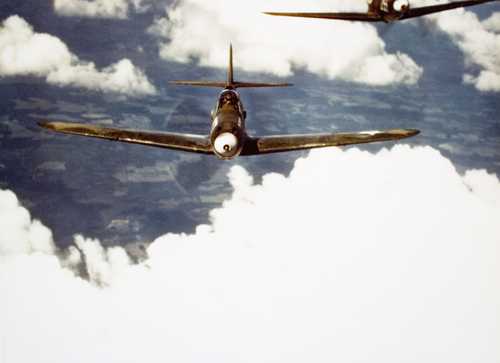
x: 425, y: 10
x: 339, y: 16
x: 273, y: 144
x: 186, y: 142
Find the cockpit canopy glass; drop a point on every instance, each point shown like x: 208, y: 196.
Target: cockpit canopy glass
x: 384, y: 5
x: 228, y: 98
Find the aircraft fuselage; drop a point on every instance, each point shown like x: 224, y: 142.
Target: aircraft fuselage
x: 388, y: 10
x: 227, y: 134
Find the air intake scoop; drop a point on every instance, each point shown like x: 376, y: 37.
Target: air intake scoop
x: 226, y: 144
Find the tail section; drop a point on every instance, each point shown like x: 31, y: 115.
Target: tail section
x: 259, y: 85
x: 200, y: 83
x: 230, y: 83
x: 230, y: 73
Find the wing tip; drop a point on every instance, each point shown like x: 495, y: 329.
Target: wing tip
x: 59, y: 126
x: 47, y: 124
x: 277, y: 13
x: 404, y: 133
x: 412, y: 132
x: 177, y: 83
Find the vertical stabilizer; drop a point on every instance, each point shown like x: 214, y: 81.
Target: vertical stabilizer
x: 230, y: 82
x: 230, y: 74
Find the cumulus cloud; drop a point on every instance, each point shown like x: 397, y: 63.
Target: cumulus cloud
x: 493, y: 22
x: 478, y: 40
x: 96, y: 8
x: 353, y: 257
x: 350, y: 51
x: 120, y: 77
x: 19, y: 234
x: 99, y: 8
x: 25, y: 52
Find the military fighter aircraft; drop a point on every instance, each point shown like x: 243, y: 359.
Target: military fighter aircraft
x: 386, y: 10
x: 227, y: 137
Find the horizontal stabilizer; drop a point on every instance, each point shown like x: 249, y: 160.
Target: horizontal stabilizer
x: 280, y: 143
x: 233, y: 85
x: 200, y: 83
x: 259, y: 85
x: 339, y: 16
x: 186, y: 142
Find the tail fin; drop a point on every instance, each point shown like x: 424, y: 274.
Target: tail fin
x: 230, y: 83
x: 230, y: 73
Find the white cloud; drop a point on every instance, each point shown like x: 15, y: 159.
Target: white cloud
x: 95, y: 8
x: 354, y: 257
x: 99, y: 8
x: 480, y: 46
x: 478, y: 40
x: 493, y: 22
x: 351, y: 51
x: 24, y: 52
x: 120, y: 77
x: 19, y: 234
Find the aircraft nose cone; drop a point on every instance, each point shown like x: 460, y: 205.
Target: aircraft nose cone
x: 400, y: 5
x: 226, y: 144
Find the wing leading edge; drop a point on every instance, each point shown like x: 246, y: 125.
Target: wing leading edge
x: 186, y: 142
x: 280, y: 143
x: 340, y: 16
x: 252, y: 146
x: 426, y: 10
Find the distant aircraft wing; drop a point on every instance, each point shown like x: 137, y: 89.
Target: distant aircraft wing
x: 186, y: 142
x: 425, y: 10
x: 272, y: 144
x: 339, y: 16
